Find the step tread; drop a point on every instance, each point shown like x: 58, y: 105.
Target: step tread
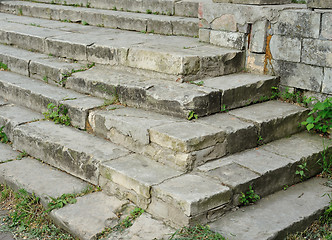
x: 7, y: 153
x: 16, y: 87
x: 162, y: 24
x: 276, y: 215
x: 39, y: 178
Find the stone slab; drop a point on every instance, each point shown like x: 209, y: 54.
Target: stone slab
x: 192, y: 194
x: 285, y: 48
x: 144, y: 227
x: 12, y: 116
x: 90, y: 215
x: 274, y: 118
x: 140, y: 178
x: 317, y: 52
x: 254, y: 2
x: 326, y: 31
x: 39, y: 178
x: 320, y: 4
x: 16, y: 88
x: 146, y: 92
x: 66, y: 148
x: 241, y: 89
x: 327, y: 81
x: 186, y: 137
x: 7, y: 153
x: 293, y: 210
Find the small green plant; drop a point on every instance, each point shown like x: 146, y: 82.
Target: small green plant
x: 327, y: 216
x: 88, y: 4
x: 114, y: 8
x: 285, y: 187
x: 197, y: 232
x: 320, y: 117
x: 3, y: 67
x: 61, y: 201
x: 249, y: 197
x: 148, y: 11
x: 20, y: 12
x: 223, y: 108
x: 57, y: 114
x: 22, y: 155
x: 200, y: 83
x: 85, y: 23
x: 65, y: 76
x: 3, y: 135
x: 326, y: 162
x: 143, y: 31
x: 122, y: 225
x: 156, y: 13
x: 192, y: 115
x: 260, y: 140
x: 45, y: 79
x: 301, y: 171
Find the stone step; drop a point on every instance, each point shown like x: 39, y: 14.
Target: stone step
x: 276, y: 216
x: 187, y: 8
x: 90, y: 215
x: 36, y: 65
x: 36, y: 95
x: 179, y: 58
x: 214, y: 189
x: 184, y: 145
x: 173, y: 98
x: 141, y: 22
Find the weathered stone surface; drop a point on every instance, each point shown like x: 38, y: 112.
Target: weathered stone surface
x: 204, y: 35
x: 299, y: 75
x: 285, y: 48
x: 255, y: 2
x: 241, y: 89
x: 189, y: 194
x: 275, y: 119
x: 297, y: 23
x: 255, y: 62
x: 166, y: 97
x: 41, y: 179
x: 186, y: 8
x: 141, y: 178
x: 16, y: 88
x: 144, y: 227
x: 319, y: 3
x: 326, y: 31
x: 12, y: 116
x: 317, y: 52
x: 240, y: 135
x: 227, y: 39
x: 90, y: 215
x: 226, y: 22
x: 327, y: 81
x: 186, y: 137
x: 131, y: 122
x: 293, y: 210
x: 20, y: 64
x: 3, y: 102
x: 67, y: 148
x: 7, y: 153
x: 258, y: 37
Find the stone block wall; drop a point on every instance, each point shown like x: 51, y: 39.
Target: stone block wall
x: 291, y: 40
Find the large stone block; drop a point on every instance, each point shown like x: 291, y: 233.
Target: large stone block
x: 320, y: 3
x: 258, y: 37
x: 317, y: 52
x: 297, y: 23
x: 327, y: 81
x: 326, y: 30
x: 226, y: 22
x: 254, y: 2
x: 285, y: 48
x: 187, y: 8
x: 228, y: 39
x: 299, y: 75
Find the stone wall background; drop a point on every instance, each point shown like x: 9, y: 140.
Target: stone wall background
x: 291, y: 41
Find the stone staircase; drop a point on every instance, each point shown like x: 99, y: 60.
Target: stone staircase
x: 129, y: 110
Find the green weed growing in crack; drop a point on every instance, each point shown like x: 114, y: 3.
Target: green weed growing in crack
x: 249, y: 197
x: 22, y: 155
x: 326, y: 162
x: 302, y: 170
x: 3, y: 67
x: 57, y: 114
x: 65, y: 76
x: 3, y: 135
x: 200, y: 83
x: 122, y: 225
x: 223, y: 108
x: 192, y: 115
x: 260, y: 140
x: 61, y: 201
x: 197, y: 232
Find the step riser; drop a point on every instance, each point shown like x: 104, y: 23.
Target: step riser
x: 179, y: 8
x: 109, y: 20
x: 87, y: 48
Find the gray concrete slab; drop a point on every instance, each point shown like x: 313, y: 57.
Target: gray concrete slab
x: 275, y: 119
x: 7, y: 153
x: 67, y: 148
x: 90, y: 215
x: 39, y: 178
x: 12, y: 116
x: 274, y: 216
